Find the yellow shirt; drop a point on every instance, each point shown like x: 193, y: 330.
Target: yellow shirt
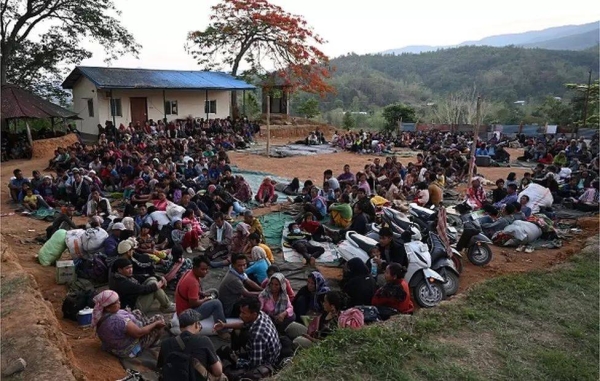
x: 30, y: 199
x: 268, y: 251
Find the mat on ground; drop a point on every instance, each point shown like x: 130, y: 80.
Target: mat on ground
x: 330, y: 255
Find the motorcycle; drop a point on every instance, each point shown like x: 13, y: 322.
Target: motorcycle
x: 478, y: 250
x: 427, y: 285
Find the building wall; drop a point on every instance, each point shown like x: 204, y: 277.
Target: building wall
x: 83, y: 90
x: 189, y: 102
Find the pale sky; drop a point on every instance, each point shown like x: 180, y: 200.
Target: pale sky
x: 362, y: 27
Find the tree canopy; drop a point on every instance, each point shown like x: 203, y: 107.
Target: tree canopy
x: 252, y: 32
x: 40, y: 38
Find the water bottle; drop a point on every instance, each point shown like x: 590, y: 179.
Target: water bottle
x: 373, y: 268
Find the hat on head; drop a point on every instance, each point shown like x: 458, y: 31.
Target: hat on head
x: 118, y: 226
x: 191, y: 192
x: 211, y: 188
x: 75, y: 170
x: 125, y: 246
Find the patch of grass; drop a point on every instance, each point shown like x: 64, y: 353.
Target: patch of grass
x: 12, y: 285
x: 534, y: 326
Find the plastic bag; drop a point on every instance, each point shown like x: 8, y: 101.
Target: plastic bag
x: 53, y: 248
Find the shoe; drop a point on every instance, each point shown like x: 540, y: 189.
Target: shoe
x: 290, y: 199
x: 201, y: 248
x: 168, y: 309
x: 520, y: 248
x: 188, y: 250
x: 529, y: 249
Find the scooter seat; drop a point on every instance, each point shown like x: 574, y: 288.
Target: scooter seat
x: 436, y: 248
x: 364, y: 243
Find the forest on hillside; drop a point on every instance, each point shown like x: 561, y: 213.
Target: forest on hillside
x: 429, y: 81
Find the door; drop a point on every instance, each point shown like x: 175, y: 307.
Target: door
x: 139, y: 110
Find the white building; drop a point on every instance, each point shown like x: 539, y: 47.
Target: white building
x: 121, y: 95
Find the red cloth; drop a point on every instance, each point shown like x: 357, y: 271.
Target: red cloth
x: 190, y: 239
x: 403, y: 306
x: 310, y: 226
x: 188, y: 288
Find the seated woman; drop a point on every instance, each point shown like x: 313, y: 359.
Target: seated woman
x: 275, y: 302
x: 309, y: 299
x: 395, y: 294
x: 257, y: 271
x: 288, y: 287
x: 187, y: 238
x: 322, y: 325
x: 240, y: 238
x: 290, y: 189
x: 358, y: 285
x: 265, y: 194
x: 124, y: 334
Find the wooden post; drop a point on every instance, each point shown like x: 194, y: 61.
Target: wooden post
x: 268, y: 126
x: 585, y: 106
x: 475, y: 138
x: 29, y: 134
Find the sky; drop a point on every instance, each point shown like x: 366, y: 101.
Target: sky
x: 348, y: 26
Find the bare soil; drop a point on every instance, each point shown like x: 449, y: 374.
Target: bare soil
x: 76, y: 353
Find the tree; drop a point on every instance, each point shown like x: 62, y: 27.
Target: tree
x: 348, y: 121
x: 309, y: 108
x: 256, y: 31
x: 41, y: 38
x: 394, y: 113
x: 555, y: 111
x: 590, y: 95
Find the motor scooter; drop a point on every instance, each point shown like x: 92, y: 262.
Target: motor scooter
x: 427, y: 286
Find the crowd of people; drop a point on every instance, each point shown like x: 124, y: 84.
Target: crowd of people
x: 177, y: 197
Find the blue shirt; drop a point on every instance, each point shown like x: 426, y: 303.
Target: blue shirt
x: 259, y: 270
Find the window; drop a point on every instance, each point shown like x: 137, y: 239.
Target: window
x: 210, y: 107
x: 171, y: 107
x: 90, y: 103
x: 115, y: 107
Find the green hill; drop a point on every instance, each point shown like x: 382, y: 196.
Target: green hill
x: 504, y: 74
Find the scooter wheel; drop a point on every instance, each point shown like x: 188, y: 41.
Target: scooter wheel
x: 480, y: 254
x: 451, y: 285
x: 426, y: 298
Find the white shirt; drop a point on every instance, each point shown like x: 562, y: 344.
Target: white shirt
x: 220, y: 233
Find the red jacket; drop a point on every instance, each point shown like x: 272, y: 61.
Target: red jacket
x: 394, y: 295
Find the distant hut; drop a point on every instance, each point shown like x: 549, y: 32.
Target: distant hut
x: 279, y: 89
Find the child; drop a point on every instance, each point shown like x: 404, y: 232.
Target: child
x: 395, y: 293
x: 30, y: 201
x: 177, y: 267
x: 310, y: 225
x: 188, y: 238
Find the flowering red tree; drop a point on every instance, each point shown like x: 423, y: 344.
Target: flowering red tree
x: 255, y: 31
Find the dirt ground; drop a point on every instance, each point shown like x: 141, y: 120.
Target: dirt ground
x: 82, y: 351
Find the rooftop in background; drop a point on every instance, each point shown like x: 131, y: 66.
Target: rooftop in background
x: 19, y: 103
x: 122, y: 78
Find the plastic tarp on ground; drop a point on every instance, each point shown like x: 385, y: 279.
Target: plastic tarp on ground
x: 255, y: 178
x: 296, y: 150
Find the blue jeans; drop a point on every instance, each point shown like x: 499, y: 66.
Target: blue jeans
x: 212, y: 308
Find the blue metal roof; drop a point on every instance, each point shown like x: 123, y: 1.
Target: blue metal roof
x: 122, y: 78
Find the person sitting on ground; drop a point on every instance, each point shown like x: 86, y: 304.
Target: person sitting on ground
x: 276, y: 303
x: 346, y: 177
x: 188, y: 238
x: 112, y: 242
x: 436, y: 193
x: 254, y: 240
x: 205, y: 361
x: 299, y: 241
x: 314, y: 227
x: 143, y: 264
x: 360, y: 224
x: 63, y: 221
x: 97, y: 205
x: 309, y: 299
x: 475, y: 196
x: 288, y: 287
x: 240, y: 238
x: 30, y: 201
x: 254, y: 225
x: 265, y: 195
x: 189, y: 293
x: 317, y: 206
x: 327, y: 193
x: 16, y: 184
x: 322, y: 325
x: 236, y: 285
x: 123, y: 333
x: 220, y: 235
x: 422, y: 196
x: 499, y: 223
x: 358, y: 283
x: 135, y: 295
x: 341, y: 213
x: 499, y: 192
x: 258, y: 338
x: 395, y: 293
x: 334, y: 184
x: 511, y: 196
x: 176, y: 267
x: 257, y: 269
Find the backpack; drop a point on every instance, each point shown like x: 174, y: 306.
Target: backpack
x: 93, y: 239
x: 95, y: 269
x: 81, y: 294
x: 181, y: 366
x: 351, y: 318
x: 370, y: 313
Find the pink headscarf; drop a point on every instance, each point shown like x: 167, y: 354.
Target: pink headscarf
x: 101, y: 301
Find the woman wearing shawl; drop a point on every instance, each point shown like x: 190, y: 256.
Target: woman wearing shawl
x: 358, y: 283
x: 240, y: 238
x: 257, y: 271
x: 317, y: 206
x: 309, y: 299
x: 123, y: 333
x: 275, y: 302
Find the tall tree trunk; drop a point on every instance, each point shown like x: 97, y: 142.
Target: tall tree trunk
x: 235, y: 110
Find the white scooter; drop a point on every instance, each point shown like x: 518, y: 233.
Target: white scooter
x: 427, y: 286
